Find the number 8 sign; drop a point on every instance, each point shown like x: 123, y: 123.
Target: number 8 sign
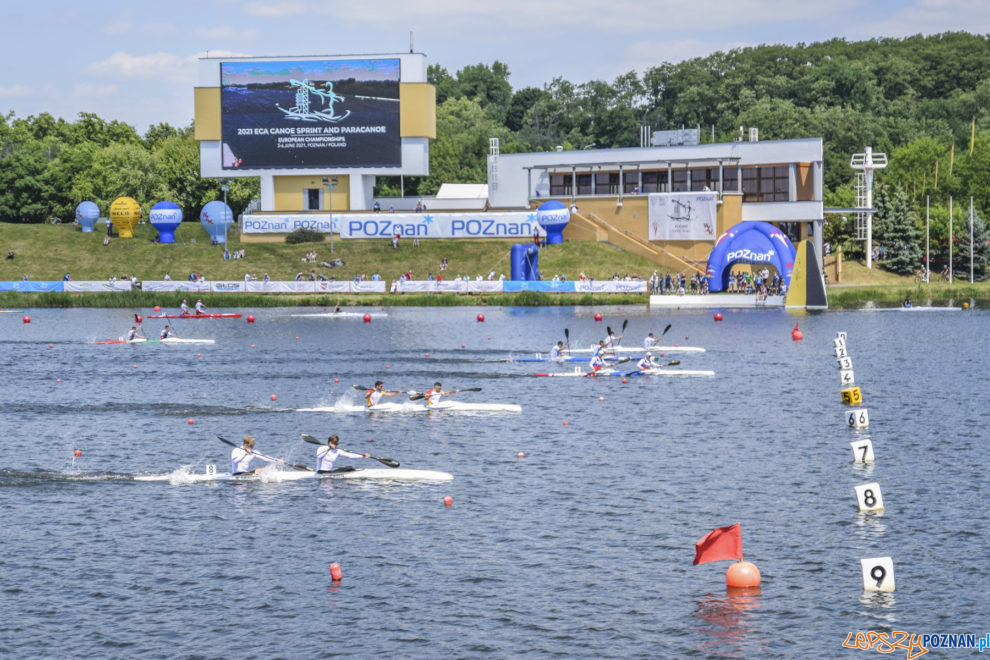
x: 878, y: 574
x: 869, y: 498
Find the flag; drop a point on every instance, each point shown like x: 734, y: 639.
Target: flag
x: 718, y: 544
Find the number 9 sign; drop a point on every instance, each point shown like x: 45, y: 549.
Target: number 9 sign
x: 878, y: 574
x: 852, y: 396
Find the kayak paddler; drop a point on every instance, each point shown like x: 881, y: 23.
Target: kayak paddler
x: 556, y: 353
x: 241, y: 457
x: 433, y: 395
x: 598, y: 359
x: 648, y: 362
x: 199, y: 307
x: 168, y: 332
x: 184, y: 308
x: 135, y: 332
x: 326, y: 456
x: 374, y: 395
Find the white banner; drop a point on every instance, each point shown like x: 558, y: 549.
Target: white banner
x: 283, y: 224
x: 228, y: 287
x: 96, y: 286
x: 485, y: 286
x: 609, y: 286
x: 469, y: 224
x: 683, y: 216
x: 366, y: 286
x: 173, y: 285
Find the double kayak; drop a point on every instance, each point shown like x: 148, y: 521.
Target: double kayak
x: 577, y: 373
x: 170, y: 340
x: 637, y: 349
x: 194, y: 316
x: 443, y: 406
x: 275, y: 476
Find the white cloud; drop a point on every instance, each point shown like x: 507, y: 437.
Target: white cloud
x: 221, y: 32
x: 932, y: 17
x: 14, y: 91
x: 269, y: 9
x: 92, y: 90
x: 118, y: 28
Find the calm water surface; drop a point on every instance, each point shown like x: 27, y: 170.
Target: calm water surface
x: 582, y: 548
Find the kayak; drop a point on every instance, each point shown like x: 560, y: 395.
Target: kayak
x: 539, y: 358
x: 448, y: 406
x: 270, y: 476
x: 341, y: 315
x: 644, y: 372
x: 10, y: 311
x: 911, y: 309
x: 637, y: 349
x: 170, y: 340
x: 194, y: 316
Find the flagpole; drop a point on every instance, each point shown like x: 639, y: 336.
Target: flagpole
x: 971, y: 239
x: 950, y: 239
x: 928, y: 254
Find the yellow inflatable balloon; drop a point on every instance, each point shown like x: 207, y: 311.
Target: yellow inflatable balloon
x: 125, y: 214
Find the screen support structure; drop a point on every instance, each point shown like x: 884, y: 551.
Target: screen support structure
x: 329, y: 183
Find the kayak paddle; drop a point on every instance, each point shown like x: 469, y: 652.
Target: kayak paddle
x: 416, y: 396
x: 669, y: 364
x: 274, y: 460
x: 391, y: 462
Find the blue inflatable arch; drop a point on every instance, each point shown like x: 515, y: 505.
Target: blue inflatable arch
x: 749, y: 243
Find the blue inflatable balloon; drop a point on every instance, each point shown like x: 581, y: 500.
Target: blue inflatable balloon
x: 553, y: 216
x: 87, y: 213
x: 216, y: 218
x: 166, y: 218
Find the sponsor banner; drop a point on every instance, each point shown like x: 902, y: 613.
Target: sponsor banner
x: 451, y: 286
x: 228, y: 287
x: 279, y: 287
x: 368, y: 287
x: 417, y: 286
x: 96, y: 286
x: 514, y: 286
x: 31, y: 287
x: 284, y: 224
x: 486, y: 286
x: 469, y: 224
x: 310, y: 113
x: 331, y: 286
x: 610, y: 286
x: 682, y: 216
x: 175, y: 285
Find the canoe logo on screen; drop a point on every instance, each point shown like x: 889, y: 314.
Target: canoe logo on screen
x: 746, y: 254
x: 467, y: 227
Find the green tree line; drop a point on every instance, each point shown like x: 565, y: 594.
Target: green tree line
x: 924, y: 100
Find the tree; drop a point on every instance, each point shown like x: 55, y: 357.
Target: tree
x: 895, y: 230
x: 489, y: 86
x: 981, y: 251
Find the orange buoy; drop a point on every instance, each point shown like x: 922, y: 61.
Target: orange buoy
x: 190, y: 422
x: 157, y: 308
x: 566, y: 423
x: 448, y: 500
x: 335, y: 571
x: 336, y: 380
x: 520, y: 455
x: 199, y: 355
x: 252, y: 345
x: 796, y: 334
x: 388, y: 366
x: 138, y: 318
x: 462, y: 345
x: 274, y: 397
x: 685, y: 337
x: 601, y: 398
x: 297, y: 337
x: 367, y: 318
x: 27, y: 319
x: 77, y: 453
x: 481, y: 318
x: 598, y: 317
x: 427, y: 355
x: 624, y: 380
x: 135, y: 366
x: 58, y: 380
x: 250, y: 318
x: 742, y: 574
x: 718, y: 316
x: 51, y: 345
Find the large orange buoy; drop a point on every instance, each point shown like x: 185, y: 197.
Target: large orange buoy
x: 191, y: 421
x: 157, y: 308
x: 274, y: 397
x: 742, y: 574
x: 448, y: 500
x: 77, y: 453
x: 598, y: 316
x: 796, y: 334
x: 335, y: 572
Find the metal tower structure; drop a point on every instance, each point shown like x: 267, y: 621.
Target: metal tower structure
x: 865, y: 164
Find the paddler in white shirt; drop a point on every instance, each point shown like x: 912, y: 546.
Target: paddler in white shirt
x: 184, y: 308
x: 556, y: 353
x: 433, y: 395
x: 135, y: 332
x: 326, y: 456
x: 241, y: 457
x: 648, y: 362
x: 373, y: 396
x: 199, y: 307
x: 598, y: 359
x: 650, y: 341
x: 168, y: 332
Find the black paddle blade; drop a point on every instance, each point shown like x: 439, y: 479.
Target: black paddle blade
x: 392, y: 463
x: 226, y: 441
x: 624, y: 324
x: 310, y: 439
x: 567, y: 334
x: 361, y: 387
x: 673, y: 362
x: 665, y: 330
x: 416, y: 397
x: 608, y: 329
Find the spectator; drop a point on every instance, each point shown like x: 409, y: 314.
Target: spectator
x: 10, y: 255
x: 395, y: 241
x: 106, y: 240
x: 488, y: 206
x: 377, y: 208
x: 415, y: 242
x: 167, y: 276
x: 391, y: 209
x: 266, y: 278
x: 66, y: 277
x: 419, y: 206
x: 24, y: 277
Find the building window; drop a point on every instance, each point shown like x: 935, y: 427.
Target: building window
x: 680, y: 181
x: 560, y: 185
x: 766, y: 184
x: 654, y: 182
x: 312, y: 199
x: 584, y: 184
x: 730, y: 182
x: 630, y: 181
x: 607, y: 183
x: 704, y: 176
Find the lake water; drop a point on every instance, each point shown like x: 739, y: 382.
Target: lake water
x: 583, y: 548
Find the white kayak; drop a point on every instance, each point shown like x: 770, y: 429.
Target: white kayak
x: 911, y: 309
x: 170, y: 340
x: 639, y: 349
x: 276, y: 476
x: 448, y: 406
x: 577, y: 373
x: 340, y: 315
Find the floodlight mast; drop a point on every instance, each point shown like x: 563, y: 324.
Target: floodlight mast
x: 866, y: 163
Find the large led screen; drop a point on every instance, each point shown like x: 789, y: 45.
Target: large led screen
x: 305, y: 114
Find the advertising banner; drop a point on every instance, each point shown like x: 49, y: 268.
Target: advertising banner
x: 610, y: 286
x: 173, y: 285
x: 228, y: 287
x: 514, y: 286
x: 485, y: 286
x: 283, y: 224
x: 315, y: 113
x: 28, y: 286
x: 688, y: 216
x: 368, y: 287
x: 96, y: 286
x: 476, y: 224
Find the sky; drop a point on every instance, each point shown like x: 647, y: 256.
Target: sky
x: 135, y: 61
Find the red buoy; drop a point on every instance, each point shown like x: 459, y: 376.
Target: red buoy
x: 190, y: 422
x: 427, y: 355
x: 27, y: 319
x: 481, y: 318
x: 335, y: 572
x: 388, y: 366
x: 462, y: 345
x: 598, y: 317
x: 624, y: 380
x: 51, y: 345
x: 135, y: 366
x: 199, y: 355
x: 796, y: 334
x: 336, y: 380
x: 58, y: 380
x: 77, y: 453
x: 367, y: 318
x: 520, y: 455
x: 566, y: 423
x: 718, y: 316
x: 138, y: 318
x: 250, y: 318
x: 157, y: 308
x: 274, y: 397
x: 448, y: 500
x: 742, y: 574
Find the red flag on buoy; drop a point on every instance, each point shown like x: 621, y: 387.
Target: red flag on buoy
x: 718, y: 544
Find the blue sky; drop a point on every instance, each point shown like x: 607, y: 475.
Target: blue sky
x: 135, y: 61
